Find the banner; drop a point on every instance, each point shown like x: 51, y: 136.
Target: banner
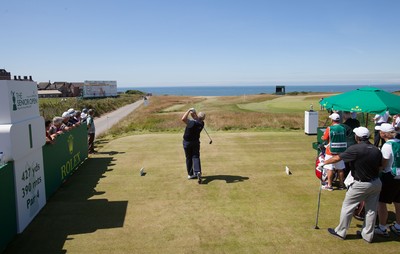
x: 63, y: 158
x: 8, y: 213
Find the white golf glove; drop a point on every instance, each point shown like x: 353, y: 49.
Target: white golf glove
x: 192, y: 110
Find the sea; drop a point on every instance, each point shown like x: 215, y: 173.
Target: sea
x: 236, y: 90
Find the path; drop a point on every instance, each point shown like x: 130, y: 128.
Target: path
x: 106, y: 121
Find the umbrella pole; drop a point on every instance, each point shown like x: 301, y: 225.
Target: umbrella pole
x: 366, y: 122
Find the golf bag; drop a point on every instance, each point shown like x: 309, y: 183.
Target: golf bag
x: 321, y: 174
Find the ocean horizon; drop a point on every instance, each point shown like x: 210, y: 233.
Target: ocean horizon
x: 249, y: 90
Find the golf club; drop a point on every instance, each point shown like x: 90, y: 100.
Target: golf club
x: 208, y: 135
x: 319, y: 199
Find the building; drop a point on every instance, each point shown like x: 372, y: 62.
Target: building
x: 4, y: 75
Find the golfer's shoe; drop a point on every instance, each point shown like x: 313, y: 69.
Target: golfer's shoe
x: 327, y: 187
x: 333, y: 233
x: 191, y: 177
x: 342, y: 187
x: 199, y: 177
x: 380, y: 232
x: 394, y: 229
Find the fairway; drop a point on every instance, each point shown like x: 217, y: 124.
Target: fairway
x: 246, y: 204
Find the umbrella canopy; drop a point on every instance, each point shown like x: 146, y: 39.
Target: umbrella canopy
x: 365, y: 99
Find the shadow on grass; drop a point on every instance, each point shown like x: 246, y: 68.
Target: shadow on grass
x: 76, y: 208
x: 226, y: 178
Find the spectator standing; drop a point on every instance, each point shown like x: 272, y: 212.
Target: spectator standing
x: 191, y: 142
x: 350, y: 121
x: 396, y: 124
x: 67, y: 125
x: 390, y: 179
x: 91, y: 131
x: 365, y: 160
x: 84, y: 115
x: 335, y: 136
x: 378, y: 120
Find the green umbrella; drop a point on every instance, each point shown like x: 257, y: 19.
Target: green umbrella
x: 366, y: 99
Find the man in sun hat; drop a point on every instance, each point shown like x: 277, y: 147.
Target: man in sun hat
x: 390, y: 178
x: 335, y: 136
x: 365, y: 160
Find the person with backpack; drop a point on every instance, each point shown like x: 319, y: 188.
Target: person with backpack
x: 335, y: 136
x: 390, y: 178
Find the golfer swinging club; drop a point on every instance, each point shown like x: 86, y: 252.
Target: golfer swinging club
x: 191, y: 142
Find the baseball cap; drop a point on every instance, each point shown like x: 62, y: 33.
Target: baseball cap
x: 385, y: 127
x: 361, y: 132
x: 335, y: 117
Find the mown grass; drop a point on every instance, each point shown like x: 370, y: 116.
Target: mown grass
x: 246, y: 204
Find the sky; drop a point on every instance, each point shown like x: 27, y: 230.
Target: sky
x: 202, y: 42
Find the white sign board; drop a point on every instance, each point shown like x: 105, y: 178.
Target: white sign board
x: 30, y: 188
x: 18, y: 101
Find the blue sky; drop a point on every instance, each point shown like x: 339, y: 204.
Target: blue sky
x: 203, y: 42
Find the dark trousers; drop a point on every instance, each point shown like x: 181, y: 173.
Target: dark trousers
x: 192, y: 153
x: 91, y: 142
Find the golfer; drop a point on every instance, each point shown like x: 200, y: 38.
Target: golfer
x: 191, y: 142
x: 365, y: 160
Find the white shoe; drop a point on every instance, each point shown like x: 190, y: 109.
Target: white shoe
x: 191, y: 177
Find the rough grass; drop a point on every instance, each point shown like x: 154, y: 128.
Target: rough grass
x: 247, y: 203
x: 51, y: 107
x: 227, y: 113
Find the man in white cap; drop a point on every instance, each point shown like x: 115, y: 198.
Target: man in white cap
x: 365, y: 160
x: 335, y: 136
x: 390, y: 178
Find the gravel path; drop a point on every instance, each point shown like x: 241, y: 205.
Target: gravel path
x: 106, y: 121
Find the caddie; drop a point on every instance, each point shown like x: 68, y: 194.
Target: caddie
x: 335, y: 136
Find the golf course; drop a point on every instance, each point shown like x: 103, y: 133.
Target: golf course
x: 247, y: 203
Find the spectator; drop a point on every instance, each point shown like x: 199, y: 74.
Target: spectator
x: 378, y: 120
x: 390, y: 179
x: 396, y: 124
x: 365, y: 160
x: 84, y: 115
x: 67, y: 125
x: 91, y: 131
x: 49, y: 137
x: 320, y: 103
x: 77, y: 117
x: 57, y: 127
x: 335, y: 136
x: 350, y: 121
